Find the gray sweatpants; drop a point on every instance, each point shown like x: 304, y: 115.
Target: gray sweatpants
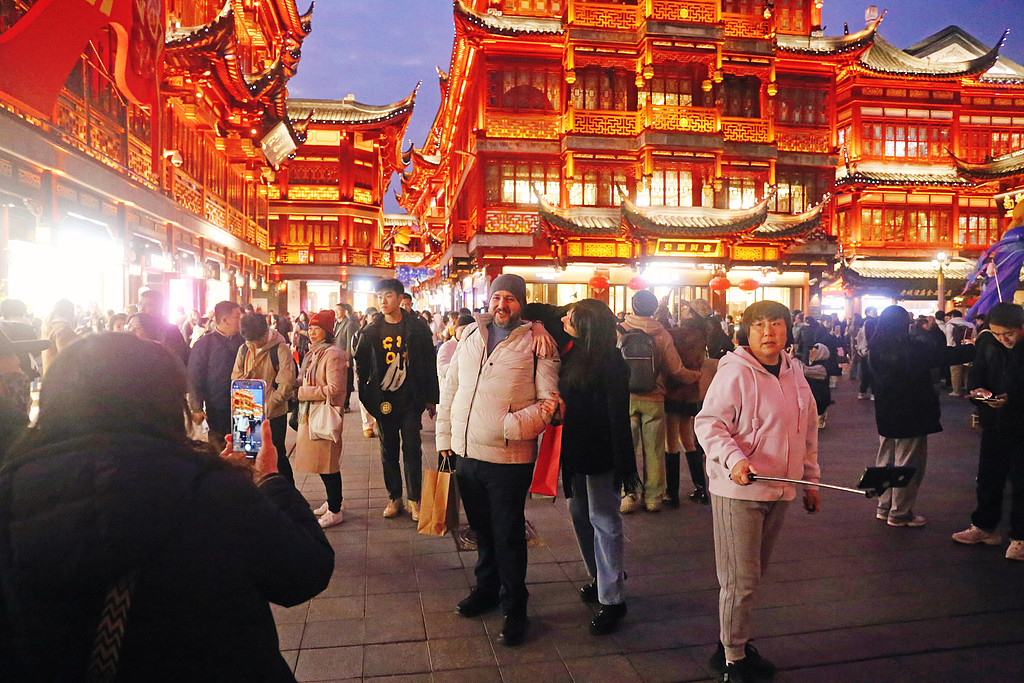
x: 898, y: 504
x: 745, y: 533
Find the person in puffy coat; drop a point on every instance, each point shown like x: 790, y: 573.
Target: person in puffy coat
x: 108, y: 491
x: 498, y: 397
x: 758, y: 418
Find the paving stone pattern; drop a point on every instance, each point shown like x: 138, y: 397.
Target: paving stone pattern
x: 846, y: 599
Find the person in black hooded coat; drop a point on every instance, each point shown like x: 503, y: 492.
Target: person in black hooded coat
x: 906, y: 405
x: 106, y: 489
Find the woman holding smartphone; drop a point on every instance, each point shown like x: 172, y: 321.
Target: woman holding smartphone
x: 597, y: 457
x: 324, y: 379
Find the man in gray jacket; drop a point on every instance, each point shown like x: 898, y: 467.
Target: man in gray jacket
x: 344, y: 330
x: 497, y: 398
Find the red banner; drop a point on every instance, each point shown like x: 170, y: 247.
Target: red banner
x: 38, y: 53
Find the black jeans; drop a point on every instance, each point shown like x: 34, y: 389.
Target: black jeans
x: 1001, y: 457
x: 350, y: 382
x: 278, y: 430
x: 332, y: 483
x: 494, y: 496
x: 401, y: 432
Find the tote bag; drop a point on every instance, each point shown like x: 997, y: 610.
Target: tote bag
x: 439, y: 508
x: 545, y: 473
x: 325, y: 421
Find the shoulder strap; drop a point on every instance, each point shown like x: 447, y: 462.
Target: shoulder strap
x: 274, y: 360
x: 110, y: 630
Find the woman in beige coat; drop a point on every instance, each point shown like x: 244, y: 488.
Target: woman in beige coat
x: 323, y: 375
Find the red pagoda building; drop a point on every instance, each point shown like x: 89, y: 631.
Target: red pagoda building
x: 136, y: 147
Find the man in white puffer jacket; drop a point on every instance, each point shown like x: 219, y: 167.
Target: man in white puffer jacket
x: 759, y: 418
x: 496, y: 399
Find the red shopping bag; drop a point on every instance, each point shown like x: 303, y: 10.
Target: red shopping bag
x: 545, y: 473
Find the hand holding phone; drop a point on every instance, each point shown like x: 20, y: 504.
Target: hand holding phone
x: 266, y: 459
x: 248, y: 407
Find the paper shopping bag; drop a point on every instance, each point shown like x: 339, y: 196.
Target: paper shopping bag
x: 545, y: 473
x: 439, y: 508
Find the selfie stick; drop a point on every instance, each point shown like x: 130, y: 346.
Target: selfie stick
x: 866, y: 494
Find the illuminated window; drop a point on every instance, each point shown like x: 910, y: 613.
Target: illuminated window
x: 596, y: 187
x: 602, y: 89
x: 906, y: 225
x: 791, y: 15
x: 743, y: 6
x: 533, y: 7
x: 511, y: 182
x: 802, y: 106
x: 667, y: 187
x: 904, y: 141
x: 742, y: 193
x: 524, y: 90
x: 977, y: 144
x: 676, y: 87
x: 797, y: 191
x: 978, y: 229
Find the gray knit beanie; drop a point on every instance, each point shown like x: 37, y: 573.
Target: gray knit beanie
x: 513, y: 284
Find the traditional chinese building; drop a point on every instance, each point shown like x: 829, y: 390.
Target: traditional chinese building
x: 133, y: 148
x: 654, y: 132
x: 330, y: 238
x: 671, y: 140
x: 907, y: 122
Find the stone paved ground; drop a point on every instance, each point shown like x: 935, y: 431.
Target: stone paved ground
x: 846, y: 599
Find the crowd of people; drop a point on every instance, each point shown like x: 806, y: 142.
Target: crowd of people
x: 135, y: 397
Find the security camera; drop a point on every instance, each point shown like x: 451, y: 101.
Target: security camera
x: 174, y: 156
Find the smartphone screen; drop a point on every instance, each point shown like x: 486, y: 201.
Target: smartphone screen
x: 247, y: 406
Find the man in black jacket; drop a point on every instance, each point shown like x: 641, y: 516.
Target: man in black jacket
x: 397, y: 368
x: 209, y: 371
x: 996, y: 382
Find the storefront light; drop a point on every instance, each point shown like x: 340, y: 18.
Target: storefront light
x: 661, y: 276
x: 548, y: 274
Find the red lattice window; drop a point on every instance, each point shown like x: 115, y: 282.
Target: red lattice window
x: 978, y: 229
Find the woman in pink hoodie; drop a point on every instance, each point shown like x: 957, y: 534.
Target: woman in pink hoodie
x: 758, y: 418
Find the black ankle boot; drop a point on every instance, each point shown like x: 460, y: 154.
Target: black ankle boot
x: 695, y: 463
x: 672, y: 478
x: 607, y: 619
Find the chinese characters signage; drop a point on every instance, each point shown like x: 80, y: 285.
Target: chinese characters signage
x: 698, y: 248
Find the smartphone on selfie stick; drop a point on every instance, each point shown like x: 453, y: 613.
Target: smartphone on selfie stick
x: 248, y: 410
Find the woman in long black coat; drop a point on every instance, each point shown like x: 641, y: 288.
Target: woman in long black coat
x: 597, y: 457
x: 906, y: 405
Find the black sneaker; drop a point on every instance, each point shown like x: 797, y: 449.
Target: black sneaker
x: 607, y: 619
x: 477, y: 603
x: 752, y: 660
x: 738, y: 672
x: 700, y: 495
x: 588, y: 593
x: 513, y: 629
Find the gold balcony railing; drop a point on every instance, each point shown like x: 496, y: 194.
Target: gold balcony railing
x: 803, y: 140
x: 523, y: 126
x: 691, y: 11
x: 330, y: 256
x: 745, y: 25
x: 682, y: 119
x: 738, y: 129
x: 605, y: 15
x: 591, y: 122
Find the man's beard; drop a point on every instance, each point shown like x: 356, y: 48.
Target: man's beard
x: 513, y: 321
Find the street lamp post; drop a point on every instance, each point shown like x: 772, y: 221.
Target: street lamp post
x: 942, y: 260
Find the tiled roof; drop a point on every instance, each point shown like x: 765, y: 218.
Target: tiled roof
x: 509, y: 24
x: 867, y: 269
x: 781, y: 227
x: 696, y: 222
x: 348, y: 110
x: 200, y: 36
x: 1001, y: 167
x: 582, y: 221
x: 887, y: 174
x: 883, y: 57
x: 828, y: 45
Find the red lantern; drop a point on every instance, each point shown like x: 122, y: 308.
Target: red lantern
x: 637, y: 283
x: 598, y: 283
x: 749, y: 285
x: 719, y: 284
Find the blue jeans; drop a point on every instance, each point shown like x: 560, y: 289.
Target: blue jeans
x: 494, y: 497
x: 594, y: 507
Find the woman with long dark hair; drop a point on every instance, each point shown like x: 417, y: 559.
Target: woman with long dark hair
x: 107, y: 503
x: 597, y: 457
x: 906, y: 405
x: 300, y: 336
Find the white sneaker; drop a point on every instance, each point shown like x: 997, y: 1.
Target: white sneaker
x: 322, y: 510
x: 861, y: 396
x: 629, y: 504
x: 917, y: 521
x: 332, y: 518
x: 973, y: 535
x: 1015, y: 551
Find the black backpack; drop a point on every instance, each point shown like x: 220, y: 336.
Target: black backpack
x: 639, y: 350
